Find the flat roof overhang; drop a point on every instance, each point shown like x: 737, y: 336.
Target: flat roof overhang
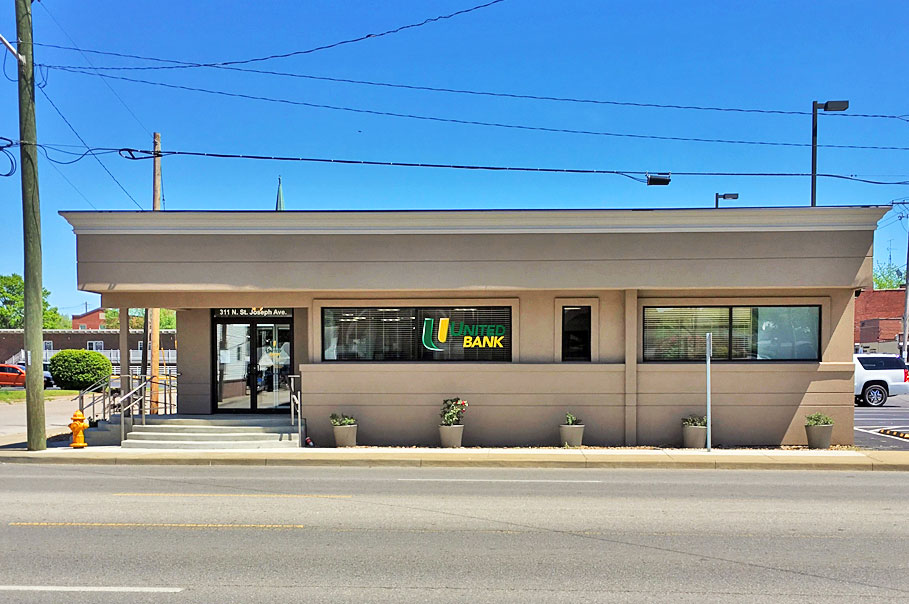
x: 424, y: 222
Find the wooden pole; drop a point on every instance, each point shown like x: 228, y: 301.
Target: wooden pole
x: 31, y: 230
x: 155, y: 313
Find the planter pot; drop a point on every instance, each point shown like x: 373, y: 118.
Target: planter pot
x: 819, y: 436
x: 571, y: 435
x: 451, y: 436
x: 345, y: 436
x: 694, y: 437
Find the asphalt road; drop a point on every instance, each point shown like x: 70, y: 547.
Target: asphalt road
x: 232, y: 534
x: 868, y: 420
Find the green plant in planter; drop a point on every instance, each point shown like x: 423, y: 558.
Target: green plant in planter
x: 695, y: 420
x: 818, y: 419
x: 571, y: 420
x: 453, y: 410
x: 342, y: 420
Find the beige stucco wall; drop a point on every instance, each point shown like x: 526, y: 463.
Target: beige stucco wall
x: 111, y: 263
x: 754, y: 403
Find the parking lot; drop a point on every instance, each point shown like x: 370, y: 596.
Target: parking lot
x: 868, y: 420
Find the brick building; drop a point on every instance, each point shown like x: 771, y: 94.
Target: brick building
x: 879, y: 319
x: 93, y: 319
x: 105, y: 341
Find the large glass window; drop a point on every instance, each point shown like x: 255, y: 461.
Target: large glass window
x: 760, y: 333
x: 417, y: 334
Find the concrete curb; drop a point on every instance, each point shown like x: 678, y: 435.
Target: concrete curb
x: 735, y: 459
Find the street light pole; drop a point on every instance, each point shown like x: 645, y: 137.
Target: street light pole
x: 827, y: 106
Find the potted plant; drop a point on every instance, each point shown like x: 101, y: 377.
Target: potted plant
x: 571, y: 433
x: 345, y: 429
x: 819, y: 428
x: 451, y: 429
x: 694, y: 432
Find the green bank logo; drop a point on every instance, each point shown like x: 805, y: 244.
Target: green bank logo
x: 474, y: 336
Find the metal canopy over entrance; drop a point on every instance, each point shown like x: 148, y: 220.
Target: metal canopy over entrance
x: 252, y: 353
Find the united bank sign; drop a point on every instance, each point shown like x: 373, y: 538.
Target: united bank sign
x: 474, y: 335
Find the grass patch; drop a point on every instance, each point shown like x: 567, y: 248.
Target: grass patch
x: 15, y: 396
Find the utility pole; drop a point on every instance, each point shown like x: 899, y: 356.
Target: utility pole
x: 906, y: 304
x: 31, y: 227
x: 155, y: 313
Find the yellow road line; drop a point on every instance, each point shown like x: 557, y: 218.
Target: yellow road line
x: 156, y: 525
x: 263, y: 495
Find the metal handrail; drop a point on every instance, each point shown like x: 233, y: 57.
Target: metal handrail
x: 102, y: 387
x: 296, y: 406
x: 169, y: 404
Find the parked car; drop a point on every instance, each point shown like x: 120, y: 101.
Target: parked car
x: 12, y: 375
x: 878, y: 376
x: 48, y: 378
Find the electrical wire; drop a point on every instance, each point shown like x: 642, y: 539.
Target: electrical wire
x: 509, y: 95
x: 92, y: 154
x: 183, y: 65
x: 141, y: 154
x: 478, y: 122
x: 75, y: 188
x: 87, y: 60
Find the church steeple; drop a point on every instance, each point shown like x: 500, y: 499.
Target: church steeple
x: 279, y: 204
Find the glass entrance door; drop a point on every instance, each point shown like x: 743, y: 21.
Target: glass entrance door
x: 273, y: 366
x: 253, y: 365
x: 232, y: 373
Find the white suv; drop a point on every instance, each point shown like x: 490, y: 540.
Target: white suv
x: 878, y: 376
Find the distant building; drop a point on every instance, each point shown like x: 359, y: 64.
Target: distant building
x: 105, y: 341
x: 879, y: 319
x: 93, y: 319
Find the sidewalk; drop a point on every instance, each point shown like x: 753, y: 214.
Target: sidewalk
x: 727, y: 459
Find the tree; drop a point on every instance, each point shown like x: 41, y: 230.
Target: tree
x: 137, y: 318
x: 12, y: 306
x: 888, y: 276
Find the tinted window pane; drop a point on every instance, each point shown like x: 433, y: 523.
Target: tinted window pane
x: 417, y: 334
x: 882, y: 362
x: 576, y: 333
x: 680, y: 333
x: 781, y: 333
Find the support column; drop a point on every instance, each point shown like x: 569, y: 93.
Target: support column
x: 631, y: 367
x: 124, y: 351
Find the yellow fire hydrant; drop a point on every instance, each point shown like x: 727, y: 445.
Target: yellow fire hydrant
x: 78, y: 427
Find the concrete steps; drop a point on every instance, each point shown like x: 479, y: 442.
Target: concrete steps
x: 203, y: 432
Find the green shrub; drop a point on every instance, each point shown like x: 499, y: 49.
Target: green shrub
x: 79, y: 369
x: 818, y: 419
x: 342, y: 420
x: 571, y: 420
x: 695, y: 420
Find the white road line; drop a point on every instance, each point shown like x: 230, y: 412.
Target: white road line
x: 91, y: 588
x: 876, y: 433
x: 490, y: 480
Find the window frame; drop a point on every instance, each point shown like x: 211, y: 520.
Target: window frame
x: 594, y: 304
x: 731, y: 305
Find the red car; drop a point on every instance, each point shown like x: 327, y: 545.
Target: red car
x: 12, y: 375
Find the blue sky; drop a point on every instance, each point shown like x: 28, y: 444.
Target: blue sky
x: 771, y: 55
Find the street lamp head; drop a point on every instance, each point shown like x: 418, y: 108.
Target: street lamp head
x: 836, y: 105
x: 729, y: 196
x: 658, y: 179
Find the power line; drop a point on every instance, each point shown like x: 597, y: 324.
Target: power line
x: 140, y: 154
x: 478, y: 122
x: 75, y: 188
x: 181, y: 65
x: 87, y: 60
x: 510, y: 95
x: 98, y: 159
